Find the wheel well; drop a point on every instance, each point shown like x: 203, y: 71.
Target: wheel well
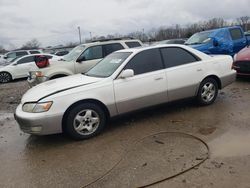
x: 216, y: 78
x: 85, y: 101
x: 58, y: 76
x: 7, y: 73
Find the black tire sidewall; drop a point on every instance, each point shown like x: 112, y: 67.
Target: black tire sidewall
x: 9, y: 77
x: 199, y: 98
x: 69, y: 127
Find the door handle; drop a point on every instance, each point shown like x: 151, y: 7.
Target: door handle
x: 159, y: 78
x: 199, y: 70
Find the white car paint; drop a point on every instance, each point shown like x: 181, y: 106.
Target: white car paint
x: 18, y: 70
x: 122, y: 95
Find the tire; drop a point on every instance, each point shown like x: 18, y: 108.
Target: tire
x: 85, y: 121
x: 208, y: 91
x: 5, y: 77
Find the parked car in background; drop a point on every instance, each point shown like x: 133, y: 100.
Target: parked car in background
x: 242, y: 62
x: 19, y: 67
x: 62, y: 53
x: 79, y: 60
x: 124, y: 81
x: 228, y: 40
x: 172, y: 41
x: 14, y: 54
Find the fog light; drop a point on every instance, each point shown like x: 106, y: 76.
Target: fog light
x: 36, y: 129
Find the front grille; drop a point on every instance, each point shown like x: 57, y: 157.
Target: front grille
x: 243, y: 66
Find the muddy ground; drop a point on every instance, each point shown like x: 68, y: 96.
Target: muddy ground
x: 136, y: 149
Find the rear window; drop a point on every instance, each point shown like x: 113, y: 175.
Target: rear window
x: 236, y: 34
x: 132, y: 44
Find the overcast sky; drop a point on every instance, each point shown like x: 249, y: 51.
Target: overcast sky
x: 55, y: 22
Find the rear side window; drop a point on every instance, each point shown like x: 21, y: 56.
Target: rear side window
x: 34, y: 52
x: 26, y: 60
x: 176, y: 56
x: 146, y: 61
x: 21, y: 53
x: 132, y: 44
x: 110, y: 48
x: 236, y: 34
x: 49, y: 57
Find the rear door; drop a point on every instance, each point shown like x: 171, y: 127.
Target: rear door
x: 239, y: 39
x: 24, y: 65
x: 147, y: 87
x: 184, y: 72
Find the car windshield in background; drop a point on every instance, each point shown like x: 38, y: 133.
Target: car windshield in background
x: 74, y: 54
x: 199, y: 38
x: 108, y: 65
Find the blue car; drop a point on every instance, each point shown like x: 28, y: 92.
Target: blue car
x: 227, y: 40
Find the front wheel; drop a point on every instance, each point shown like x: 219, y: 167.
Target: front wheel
x: 5, y: 77
x: 208, y: 91
x: 85, y: 121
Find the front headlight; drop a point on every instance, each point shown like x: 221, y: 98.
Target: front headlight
x: 37, y: 107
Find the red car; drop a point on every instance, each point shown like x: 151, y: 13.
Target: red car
x: 242, y: 62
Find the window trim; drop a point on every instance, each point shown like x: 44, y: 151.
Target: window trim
x: 198, y: 59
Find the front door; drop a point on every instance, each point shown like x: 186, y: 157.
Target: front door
x: 146, y: 88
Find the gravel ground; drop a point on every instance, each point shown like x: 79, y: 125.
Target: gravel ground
x: 127, y: 148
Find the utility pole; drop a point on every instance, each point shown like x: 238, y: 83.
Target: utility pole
x: 143, y: 35
x: 80, y: 36
x: 90, y: 34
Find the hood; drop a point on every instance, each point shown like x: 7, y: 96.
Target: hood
x: 244, y: 54
x: 201, y: 47
x: 58, y: 85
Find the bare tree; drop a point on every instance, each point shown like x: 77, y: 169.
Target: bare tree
x: 32, y: 44
x: 244, y: 22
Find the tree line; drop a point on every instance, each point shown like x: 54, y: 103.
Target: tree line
x: 162, y: 33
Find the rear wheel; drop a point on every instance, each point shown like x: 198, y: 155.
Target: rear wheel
x: 5, y: 77
x: 85, y: 121
x: 208, y: 91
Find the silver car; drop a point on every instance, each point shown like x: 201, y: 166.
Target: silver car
x: 124, y: 81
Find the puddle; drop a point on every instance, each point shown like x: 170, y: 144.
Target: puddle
x: 155, y: 158
x: 231, y: 144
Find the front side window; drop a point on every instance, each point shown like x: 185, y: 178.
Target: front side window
x: 92, y: 53
x: 236, y: 34
x: 110, y: 48
x: 26, y: 60
x: 132, y: 44
x: 21, y: 53
x: 34, y: 52
x: 11, y: 55
x: 146, y: 61
x: 108, y: 65
x: 173, y: 56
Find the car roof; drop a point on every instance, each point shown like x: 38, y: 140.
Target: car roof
x: 109, y: 42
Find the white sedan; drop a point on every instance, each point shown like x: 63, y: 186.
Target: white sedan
x: 124, y: 81
x: 19, y: 67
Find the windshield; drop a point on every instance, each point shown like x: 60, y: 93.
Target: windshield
x: 108, y: 65
x: 199, y: 38
x: 74, y: 54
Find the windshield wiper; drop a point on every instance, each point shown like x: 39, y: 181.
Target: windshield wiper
x: 195, y: 43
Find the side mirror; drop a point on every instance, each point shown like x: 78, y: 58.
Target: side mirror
x: 127, y: 73
x: 80, y: 59
x: 14, y: 64
x: 215, y: 42
x: 5, y: 57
